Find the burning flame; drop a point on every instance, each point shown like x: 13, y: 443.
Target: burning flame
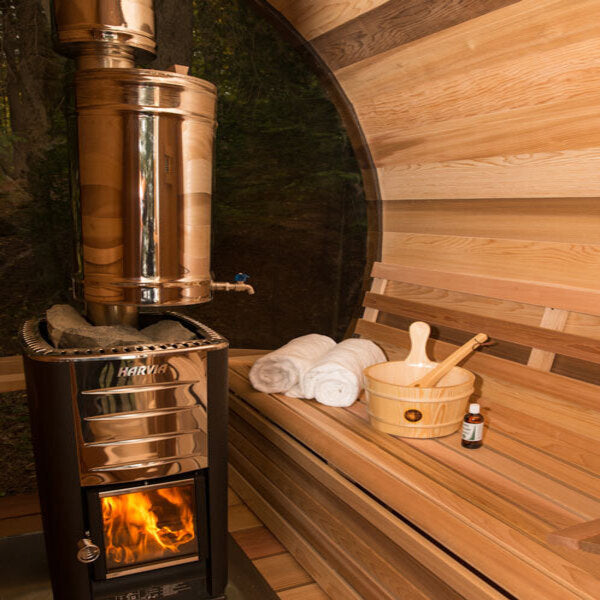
x: 144, y: 526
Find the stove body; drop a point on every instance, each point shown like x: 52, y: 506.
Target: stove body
x: 130, y: 442
x: 130, y: 446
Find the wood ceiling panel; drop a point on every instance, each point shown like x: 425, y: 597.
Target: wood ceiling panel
x: 519, y: 80
x: 395, y: 23
x: 314, y: 17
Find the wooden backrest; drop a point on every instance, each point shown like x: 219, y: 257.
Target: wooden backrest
x: 509, y: 311
x: 480, y: 119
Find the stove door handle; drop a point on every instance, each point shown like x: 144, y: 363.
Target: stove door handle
x: 88, y: 552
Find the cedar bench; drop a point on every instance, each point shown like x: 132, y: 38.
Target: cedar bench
x: 378, y: 517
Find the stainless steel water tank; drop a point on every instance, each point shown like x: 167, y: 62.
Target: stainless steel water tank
x: 145, y: 178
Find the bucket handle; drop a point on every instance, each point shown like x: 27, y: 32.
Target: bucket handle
x: 419, y: 334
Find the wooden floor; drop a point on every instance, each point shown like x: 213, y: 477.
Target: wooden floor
x: 21, y: 514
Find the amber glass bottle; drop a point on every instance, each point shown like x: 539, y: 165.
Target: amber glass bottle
x: 472, y: 431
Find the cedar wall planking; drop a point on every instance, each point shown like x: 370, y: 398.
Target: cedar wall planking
x: 481, y: 117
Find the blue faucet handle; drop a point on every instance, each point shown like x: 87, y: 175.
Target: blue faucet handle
x: 241, y: 278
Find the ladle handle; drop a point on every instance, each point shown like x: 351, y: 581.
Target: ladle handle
x: 431, y: 378
x: 419, y: 334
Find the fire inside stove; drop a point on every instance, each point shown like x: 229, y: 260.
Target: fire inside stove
x: 142, y: 528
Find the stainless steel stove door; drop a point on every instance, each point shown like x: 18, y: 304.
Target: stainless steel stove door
x: 141, y: 418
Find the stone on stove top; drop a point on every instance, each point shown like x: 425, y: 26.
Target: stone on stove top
x: 168, y: 331
x: 69, y: 329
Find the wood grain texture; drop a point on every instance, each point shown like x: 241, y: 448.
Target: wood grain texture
x: 570, y: 220
x: 372, y: 466
x: 314, y: 17
x: 316, y: 527
x: 550, y: 263
x: 258, y: 542
x: 282, y: 571
x: 455, y: 95
x: 556, y: 320
x: 395, y: 23
x: 578, y: 299
x: 548, y: 385
x: 439, y: 562
x: 306, y: 592
x: 377, y: 287
x: 365, y: 557
x: 241, y: 518
x: 583, y: 536
x: 313, y: 562
x: 518, y: 312
x: 12, y: 378
x: 527, y: 335
x: 529, y: 175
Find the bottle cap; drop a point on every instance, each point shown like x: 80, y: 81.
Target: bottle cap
x: 474, y: 408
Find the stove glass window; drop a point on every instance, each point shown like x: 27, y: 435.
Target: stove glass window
x: 150, y: 524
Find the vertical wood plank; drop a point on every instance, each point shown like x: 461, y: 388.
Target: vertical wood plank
x: 553, y: 318
x: 378, y: 287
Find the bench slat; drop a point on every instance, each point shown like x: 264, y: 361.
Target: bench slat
x: 463, y: 580
x: 517, y: 562
x: 322, y: 573
x: 562, y: 498
x: 368, y: 560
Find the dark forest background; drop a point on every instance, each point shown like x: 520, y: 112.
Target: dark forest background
x: 287, y: 206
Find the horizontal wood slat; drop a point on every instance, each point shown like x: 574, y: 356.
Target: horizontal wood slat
x: 550, y: 263
x: 304, y: 553
x: 439, y: 562
x: 570, y: 220
x: 395, y: 23
x: 306, y: 592
x: 282, y: 571
x: 551, y: 384
x: 579, y: 299
x: 541, y: 175
x: 336, y: 556
x: 508, y: 83
x: 517, y: 312
x: 356, y: 553
x: 528, y: 335
x: 12, y: 378
x: 465, y: 529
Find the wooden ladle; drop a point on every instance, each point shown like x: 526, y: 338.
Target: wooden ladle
x: 433, y: 376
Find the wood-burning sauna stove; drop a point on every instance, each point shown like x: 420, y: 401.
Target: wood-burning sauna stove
x: 130, y: 442
x: 130, y: 447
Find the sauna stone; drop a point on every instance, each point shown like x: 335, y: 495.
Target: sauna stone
x: 68, y: 329
x: 168, y: 331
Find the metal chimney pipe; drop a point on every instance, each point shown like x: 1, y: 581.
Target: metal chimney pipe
x: 145, y: 153
x: 104, y: 33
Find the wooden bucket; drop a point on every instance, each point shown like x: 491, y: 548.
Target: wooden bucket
x: 416, y: 412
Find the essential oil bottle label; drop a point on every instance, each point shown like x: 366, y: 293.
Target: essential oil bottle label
x: 472, y: 432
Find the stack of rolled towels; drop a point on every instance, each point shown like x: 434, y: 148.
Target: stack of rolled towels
x: 314, y: 366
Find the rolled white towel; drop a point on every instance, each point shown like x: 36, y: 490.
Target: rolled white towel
x: 282, y: 370
x: 337, y: 379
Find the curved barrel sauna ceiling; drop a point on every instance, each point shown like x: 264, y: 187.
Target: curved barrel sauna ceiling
x: 482, y: 142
